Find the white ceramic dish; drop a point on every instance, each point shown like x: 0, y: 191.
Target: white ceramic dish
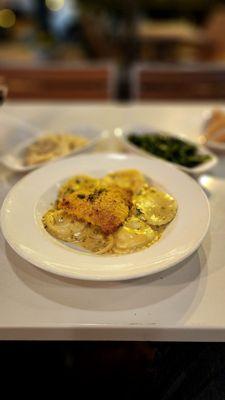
x: 23, y: 229
x: 211, y: 144
x: 123, y: 133
x: 216, y: 146
x: 14, y: 158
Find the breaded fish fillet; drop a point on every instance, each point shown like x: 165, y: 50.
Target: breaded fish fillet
x: 103, y: 206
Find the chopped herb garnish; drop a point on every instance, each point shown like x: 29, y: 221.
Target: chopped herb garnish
x: 138, y: 211
x: 93, y: 196
x: 69, y: 191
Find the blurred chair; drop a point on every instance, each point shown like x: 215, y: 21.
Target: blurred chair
x: 61, y: 82
x: 157, y: 82
x: 3, y: 90
x: 215, y: 30
x: 96, y: 37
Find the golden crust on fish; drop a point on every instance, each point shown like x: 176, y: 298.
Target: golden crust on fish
x: 106, y: 206
x: 76, y: 183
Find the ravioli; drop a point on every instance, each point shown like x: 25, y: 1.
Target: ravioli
x: 154, y: 206
x: 63, y: 226
x: 127, y: 179
x: 134, y: 234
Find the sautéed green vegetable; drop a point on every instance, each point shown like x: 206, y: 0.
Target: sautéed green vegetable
x: 169, y: 148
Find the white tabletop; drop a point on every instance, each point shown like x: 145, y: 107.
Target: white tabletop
x: 185, y: 303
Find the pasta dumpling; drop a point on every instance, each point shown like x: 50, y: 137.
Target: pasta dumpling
x: 63, y: 226
x: 127, y: 179
x: 133, y: 235
x: 154, y: 206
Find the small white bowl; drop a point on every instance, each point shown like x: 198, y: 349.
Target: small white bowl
x: 123, y: 133
x: 13, y: 156
x: 216, y: 146
x: 211, y: 144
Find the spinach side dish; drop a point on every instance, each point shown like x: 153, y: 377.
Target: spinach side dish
x: 169, y: 148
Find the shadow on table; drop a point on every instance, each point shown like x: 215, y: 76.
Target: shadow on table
x: 181, y: 282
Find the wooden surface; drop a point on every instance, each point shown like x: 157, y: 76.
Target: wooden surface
x: 52, y: 82
x: 149, y: 82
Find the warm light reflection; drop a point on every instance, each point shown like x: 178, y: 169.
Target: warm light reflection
x: 7, y: 18
x: 54, y: 5
x: 118, y: 132
x: 206, y: 181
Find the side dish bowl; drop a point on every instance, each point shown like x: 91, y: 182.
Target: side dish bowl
x: 213, y: 130
x: 123, y: 134
x: 14, y: 156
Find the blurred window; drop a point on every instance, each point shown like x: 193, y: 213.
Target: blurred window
x: 62, y: 19
x: 26, y: 6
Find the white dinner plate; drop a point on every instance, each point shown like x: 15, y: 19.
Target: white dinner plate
x: 123, y: 133
x: 32, y: 196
